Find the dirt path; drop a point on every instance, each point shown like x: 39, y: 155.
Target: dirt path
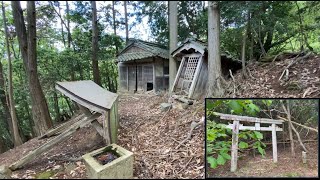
x: 287, y: 166
x: 144, y: 129
x: 153, y: 136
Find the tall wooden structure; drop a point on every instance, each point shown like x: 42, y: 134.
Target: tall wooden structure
x: 143, y: 66
x: 93, y: 98
x: 192, y: 76
x: 236, y: 126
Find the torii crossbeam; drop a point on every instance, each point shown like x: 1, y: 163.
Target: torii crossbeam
x: 236, y: 126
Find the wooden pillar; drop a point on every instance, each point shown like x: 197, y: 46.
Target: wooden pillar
x: 154, y: 75
x: 274, y: 143
x: 234, y: 148
x: 136, y: 89
x: 257, y: 126
x: 304, y: 157
x: 178, y: 75
x: 128, y: 78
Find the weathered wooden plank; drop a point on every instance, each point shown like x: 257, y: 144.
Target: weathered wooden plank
x: 254, y: 128
x: 234, y: 148
x: 257, y: 125
x: 154, y: 76
x: 88, y: 94
x: 178, y: 74
x: 98, y: 128
x: 195, y: 78
x: 63, y: 126
x: 274, y: 144
x: 127, y: 78
x: 187, y: 101
x: 248, y: 119
x: 31, y: 155
x: 304, y: 157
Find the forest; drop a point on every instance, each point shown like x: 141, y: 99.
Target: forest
x: 297, y: 133
x: 45, y: 42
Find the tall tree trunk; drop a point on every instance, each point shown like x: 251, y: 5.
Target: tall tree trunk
x: 17, y: 138
x: 304, y: 39
x: 214, y: 58
x: 95, y: 48
x: 250, y: 36
x: 72, y: 110
x: 2, y: 146
x: 5, y: 105
x: 243, y: 52
x: 62, y: 31
x: 27, y: 43
x: 114, y: 24
x: 69, y: 39
x: 126, y: 21
x: 173, y: 39
x: 56, y: 106
x: 287, y: 111
x: 114, y: 78
x: 25, y: 103
x: 290, y: 129
x: 68, y: 25
x: 4, y: 102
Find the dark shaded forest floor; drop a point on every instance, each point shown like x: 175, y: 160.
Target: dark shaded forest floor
x: 152, y: 135
x: 287, y: 166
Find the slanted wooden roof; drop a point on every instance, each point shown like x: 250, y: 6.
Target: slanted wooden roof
x: 88, y: 94
x: 197, y: 45
x: 150, y: 50
x: 200, y: 47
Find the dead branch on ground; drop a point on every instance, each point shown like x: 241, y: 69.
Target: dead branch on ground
x: 287, y: 110
x: 310, y: 128
x: 192, y: 127
x: 294, y: 61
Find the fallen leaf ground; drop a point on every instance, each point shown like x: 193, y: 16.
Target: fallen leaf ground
x: 263, y: 80
x: 151, y: 134
x: 287, y: 166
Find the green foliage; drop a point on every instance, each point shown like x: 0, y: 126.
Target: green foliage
x: 219, y: 143
x: 239, y: 107
x: 219, y: 138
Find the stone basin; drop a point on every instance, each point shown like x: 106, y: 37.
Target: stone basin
x: 119, y: 168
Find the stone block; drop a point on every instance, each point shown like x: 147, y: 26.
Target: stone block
x: 165, y: 106
x: 120, y: 168
x: 5, y: 172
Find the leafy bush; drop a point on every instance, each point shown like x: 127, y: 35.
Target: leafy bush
x: 219, y: 137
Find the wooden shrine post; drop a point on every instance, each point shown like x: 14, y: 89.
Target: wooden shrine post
x: 274, y: 144
x: 236, y: 126
x: 234, y: 148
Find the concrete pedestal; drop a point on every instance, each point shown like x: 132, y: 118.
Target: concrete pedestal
x: 120, y: 168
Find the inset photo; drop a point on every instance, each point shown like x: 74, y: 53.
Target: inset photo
x: 262, y: 137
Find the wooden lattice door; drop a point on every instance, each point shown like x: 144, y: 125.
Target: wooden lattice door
x: 186, y: 73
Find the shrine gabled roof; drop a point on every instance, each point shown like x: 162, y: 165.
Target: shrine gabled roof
x: 149, y: 50
x: 198, y: 46
x: 88, y: 94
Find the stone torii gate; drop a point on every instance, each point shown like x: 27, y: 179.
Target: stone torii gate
x: 236, y: 126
